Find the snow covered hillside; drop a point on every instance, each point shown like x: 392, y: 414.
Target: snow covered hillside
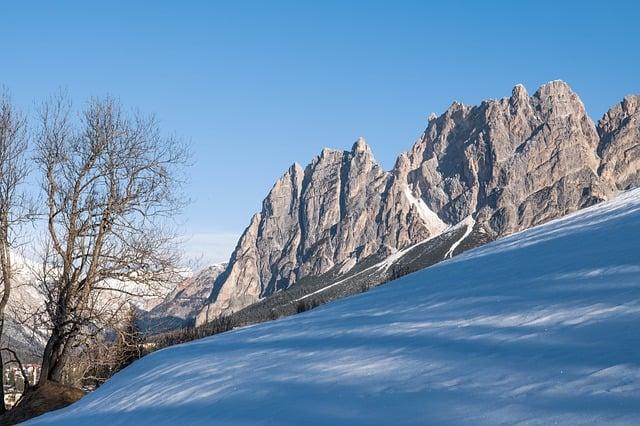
x: 541, y: 327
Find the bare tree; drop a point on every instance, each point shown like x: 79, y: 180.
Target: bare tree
x: 13, y: 208
x: 111, y: 352
x: 111, y: 182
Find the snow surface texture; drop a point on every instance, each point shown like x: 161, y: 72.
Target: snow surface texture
x: 542, y: 327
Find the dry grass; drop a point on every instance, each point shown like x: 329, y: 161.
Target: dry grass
x: 48, y: 397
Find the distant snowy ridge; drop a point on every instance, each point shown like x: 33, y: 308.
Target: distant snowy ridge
x: 537, y: 328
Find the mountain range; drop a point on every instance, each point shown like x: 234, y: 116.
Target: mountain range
x: 476, y: 174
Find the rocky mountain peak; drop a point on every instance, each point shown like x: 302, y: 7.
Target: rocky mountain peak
x: 361, y: 146
x: 554, y: 86
x: 328, y: 152
x: 402, y: 166
x: 296, y: 168
x: 456, y: 111
x: 312, y: 220
x: 631, y: 104
x: 504, y: 165
x: 625, y: 110
x: 556, y: 100
x: 519, y: 99
x: 519, y: 92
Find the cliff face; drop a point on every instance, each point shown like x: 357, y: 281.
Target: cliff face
x: 509, y: 164
x: 619, y: 145
x: 513, y: 163
x: 338, y: 210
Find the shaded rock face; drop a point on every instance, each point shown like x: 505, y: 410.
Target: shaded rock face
x: 514, y: 162
x: 510, y: 164
x: 188, y: 298
x: 338, y: 210
x: 619, y: 146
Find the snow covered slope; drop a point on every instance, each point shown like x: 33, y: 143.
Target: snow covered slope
x: 541, y: 327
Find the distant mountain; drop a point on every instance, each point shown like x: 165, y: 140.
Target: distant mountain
x: 22, y: 331
x: 183, y: 303
x: 492, y: 169
x: 537, y: 328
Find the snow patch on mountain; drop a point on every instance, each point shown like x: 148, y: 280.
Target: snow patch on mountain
x: 468, y: 222
x: 430, y: 218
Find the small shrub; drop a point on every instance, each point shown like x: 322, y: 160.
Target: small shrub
x: 274, y: 314
x: 306, y: 305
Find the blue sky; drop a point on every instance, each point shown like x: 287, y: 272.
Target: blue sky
x: 258, y: 85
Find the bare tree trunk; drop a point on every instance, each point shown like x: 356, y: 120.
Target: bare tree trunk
x: 50, y: 359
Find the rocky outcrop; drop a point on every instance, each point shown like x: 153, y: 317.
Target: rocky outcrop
x: 405, y: 218
x: 513, y: 163
x: 506, y: 164
x: 338, y: 210
x: 619, y: 146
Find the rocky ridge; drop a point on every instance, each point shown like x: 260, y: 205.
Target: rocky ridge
x: 180, y: 306
x: 506, y: 164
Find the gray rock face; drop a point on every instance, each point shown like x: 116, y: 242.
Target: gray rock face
x: 619, y: 146
x: 509, y: 164
x: 340, y: 209
x: 514, y: 162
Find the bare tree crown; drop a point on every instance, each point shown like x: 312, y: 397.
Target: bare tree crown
x: 111, y: 180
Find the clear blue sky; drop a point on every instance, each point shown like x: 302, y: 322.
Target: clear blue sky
x: 258, y: 85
